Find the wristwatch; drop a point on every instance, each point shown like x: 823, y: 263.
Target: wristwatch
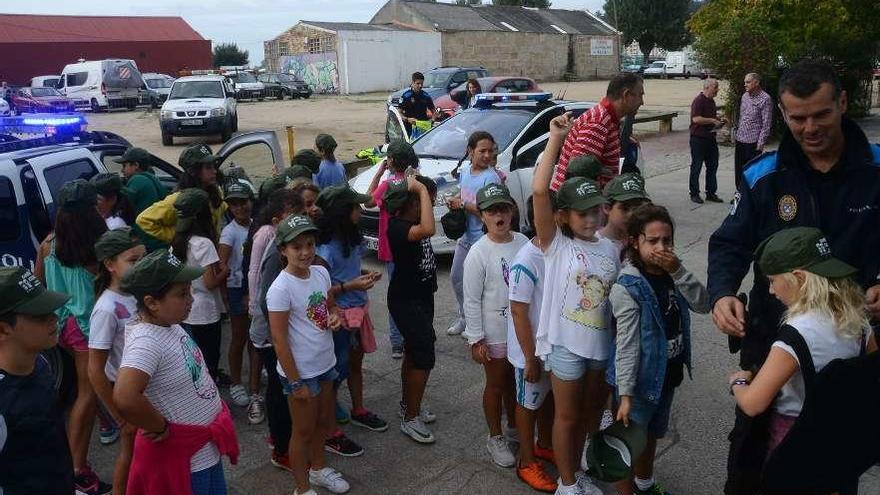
x: 738, y: 381
x: 291, y: 387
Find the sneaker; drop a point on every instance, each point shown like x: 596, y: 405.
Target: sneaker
x: 368, y: 420
x: 500, y: 451
x: 256, y: 411
x: 86, y: 482
x: 330, y: 479
x: 340, y: 444
x: 654, y: 490
x: 534, y: 475
x: 546, y: 455
x: 281, y: 462
x: 696, y: 199
x: 574, y: 489
x: 397, y: 352
x: 425, y: 415
x: 587, y: 484
x: 417, y: 430
x: 108, y: 434
x: 714, y: 198
x: 239, y: 395
x: 457, y: 328
x: 607, y: 419
x: 341, y: 416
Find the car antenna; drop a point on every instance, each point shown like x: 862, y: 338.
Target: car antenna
x: 562, y: 93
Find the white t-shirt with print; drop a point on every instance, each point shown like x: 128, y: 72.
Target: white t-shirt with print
x: 107, y: 327
x: 115, y: 222
x: 617, y: 244
x: 825, y: 346
x: 207, y: 304
x: 234, y: 235
x: 575, y: 312
x: 180, y: 387
x: 308, y: 332
x: 526, y: 286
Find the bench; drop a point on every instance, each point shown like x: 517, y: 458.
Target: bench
x: 665, y: 119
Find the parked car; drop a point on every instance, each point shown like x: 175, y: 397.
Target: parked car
x: 495, y: 84
x: 197, y: 106
x: 281, y: 85
x: 102, y: 84
x: 155, y: 90
x: 45, y: 81
x: 246, y: 85
x: 633, y: 68
x: 38, y: 100
x: 656, y: 69
x: 5, y: 109
x: 441, y: 80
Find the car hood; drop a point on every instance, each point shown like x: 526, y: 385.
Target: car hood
x: 193, y: 103
x: 436, y: 169
x: 49, y: 100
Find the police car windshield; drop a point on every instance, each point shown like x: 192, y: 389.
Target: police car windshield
x: 196, y: 89
x: 436, y: 79
x: 159, y: 83
x: 449, y: 140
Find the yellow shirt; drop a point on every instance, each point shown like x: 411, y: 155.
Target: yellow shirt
x: 159, y: 219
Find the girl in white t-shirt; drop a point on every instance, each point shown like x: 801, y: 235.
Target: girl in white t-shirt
x: 574, y: 333
x: 116, y: 252
x: 302, y: 315
x: 195, y: 243
x: 825, y: 306
x: 486, y: 308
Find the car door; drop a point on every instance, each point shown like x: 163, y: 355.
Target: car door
x: 231, y: 102
x: 258, y: 152
x: 394, y: 127
x: 16, y: 246
x: 53, y: 170
x: 519, y: 179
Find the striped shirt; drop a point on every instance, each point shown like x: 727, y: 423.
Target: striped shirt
x: 755, y: 118
x: 596, y: 132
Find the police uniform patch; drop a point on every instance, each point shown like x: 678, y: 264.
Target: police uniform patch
x: 788, y: 208
x: 735, y: 203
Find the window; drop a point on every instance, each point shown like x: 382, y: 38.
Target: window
x: 77, y: 79
x: 459, y: 77
x: 58, y: 175
x: 529, y: 157
x: 393, y: 130
x: 8, y: 212
x: 196, y: 89
x: 319, y: 44
x: 36, y: 206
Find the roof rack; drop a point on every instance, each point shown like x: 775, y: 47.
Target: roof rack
x: 484, y: 100
x: 9, y: 143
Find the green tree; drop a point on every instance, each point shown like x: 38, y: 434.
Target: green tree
x: 650, y: 22
x: 229, y: 54
x: 539, y: 4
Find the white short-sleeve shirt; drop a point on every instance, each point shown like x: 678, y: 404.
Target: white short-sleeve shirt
x: 207, y: 303
x: 107, y: 327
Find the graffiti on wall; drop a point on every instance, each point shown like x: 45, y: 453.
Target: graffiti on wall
x: 318, y: 70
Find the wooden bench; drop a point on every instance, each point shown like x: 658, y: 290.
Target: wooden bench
x: 665, y: 119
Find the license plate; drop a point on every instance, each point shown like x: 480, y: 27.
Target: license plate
x: 192, y: 122
x: 371, y: 244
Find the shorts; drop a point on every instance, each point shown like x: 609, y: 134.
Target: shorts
x: 344, y: 340
x: 568, y: 366
x: 209, y: 481
x: 235, y: 296
x: 653, y: 416
x: 314, y: 383
x: 497, y: 351
x: 415, y: 320
x: 72, y: 336
x: 531, y: 395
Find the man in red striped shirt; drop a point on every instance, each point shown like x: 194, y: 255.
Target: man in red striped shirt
x: 597, y: 131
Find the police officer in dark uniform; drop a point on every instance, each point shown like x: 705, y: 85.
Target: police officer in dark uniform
x: 415, y: 104
x: 826, y: 175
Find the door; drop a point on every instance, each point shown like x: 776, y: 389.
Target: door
x: 519, y: 180
x: 56, y: 169
x: 394, y: 127
x: 75, y: 86
x: 16, y: 248
x: 258, y: 152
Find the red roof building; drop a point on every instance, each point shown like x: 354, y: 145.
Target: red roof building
x: 35, y: 45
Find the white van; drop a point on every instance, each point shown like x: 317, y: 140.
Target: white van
x: 45, y: 81
x: 683, y: 64
x: 102, y: 84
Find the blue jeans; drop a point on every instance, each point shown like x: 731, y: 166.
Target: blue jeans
x: 209, y: 481
x: 393, y: 333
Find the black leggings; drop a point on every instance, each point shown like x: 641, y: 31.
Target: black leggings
x: 276, y: 403
x: 208, y: 338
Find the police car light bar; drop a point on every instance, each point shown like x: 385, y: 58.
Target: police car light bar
x: 43, y: 124
x: 487, y: 99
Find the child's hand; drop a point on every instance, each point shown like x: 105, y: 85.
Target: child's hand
x: 532, y: 372
x: 376, y: 276
x: 334, y: 321
x: 480, y: 352
x: 560, y: 126
x: 364, y: 282
x: 454, y: 203
x: 623, y: 409
x: 667, y: 260
x: 301, y: 393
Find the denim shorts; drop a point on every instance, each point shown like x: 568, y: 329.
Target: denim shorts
x: 314, y: 383
x: 236, y: 301
x: 655, y: 417
x: 568, y: 366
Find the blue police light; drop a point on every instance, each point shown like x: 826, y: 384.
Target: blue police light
x: 484, y: 100
x: 53, y: 121
x: 43, y: 124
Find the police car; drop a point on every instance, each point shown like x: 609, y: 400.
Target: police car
x: 519, y: 122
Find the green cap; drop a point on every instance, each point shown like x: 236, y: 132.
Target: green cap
x: 238, y: 190
x: 625, y: 187
x: 308, y: 158
x: 803, y: 248
x: 493, y: 194
x: 402, y: 152
x: 579, y: 194
x: 188, y: 204
x: 78, y: 193
x: 395, y: 196
x: 138, y: 155
x: 325, y: 142
x: 614, y: 450
x: 340, y: 196
x: 586, y: 166
x: 297, y: 172
x: 236, y: 173
x: 271, y: 185
x: 156, y: 270
x: 114, y: 242
x: 196, y: 155
x: 292, y: 227
x: 24, y: 293
x: 108, y: 184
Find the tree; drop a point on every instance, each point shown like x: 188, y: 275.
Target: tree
x: 229, y: 54
x: 650, y: 22
x: 539, y: 4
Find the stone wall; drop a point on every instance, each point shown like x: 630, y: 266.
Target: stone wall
x: 298, y: 40
x: 588, y: 66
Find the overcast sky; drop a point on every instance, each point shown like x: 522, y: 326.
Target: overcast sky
x: 246, y: 22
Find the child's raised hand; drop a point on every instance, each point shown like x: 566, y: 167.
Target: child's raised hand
x: 623, y: 409
x: 560, y: 125
x: 480, y: 352
x: 364, y: 282
x: 667, y: 260
x: 334, y: 321
x: 454, y: 203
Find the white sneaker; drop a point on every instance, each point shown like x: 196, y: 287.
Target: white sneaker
x: 574, y: 489
x: 239, y: 395
x: 330, y: 479
x: 586, y: 484
x: 457, y: 328
x: 417, y: 430
x: 500, y: 451
x: 256, y: 411
x: 425, y: 415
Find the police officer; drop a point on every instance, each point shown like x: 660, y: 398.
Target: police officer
x: 415, y: 104
x: 826, y: 175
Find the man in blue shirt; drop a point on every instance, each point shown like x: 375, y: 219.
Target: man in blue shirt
x: 415, y: 104
x: 331, y: 172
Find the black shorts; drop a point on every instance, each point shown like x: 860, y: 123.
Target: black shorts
x: 415, y: 320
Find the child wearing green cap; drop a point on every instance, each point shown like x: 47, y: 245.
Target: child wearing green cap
x: 624, y: 193
x: 34, y: 453
x: 331, y: 172
x: 117, y: 251
x: 113, y: 203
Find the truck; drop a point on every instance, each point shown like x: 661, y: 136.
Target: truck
x: 683, y: 64
x: 99, y: 85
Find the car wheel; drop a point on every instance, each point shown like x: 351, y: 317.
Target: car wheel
x: 306, y: 96
x: 280, y: 94
x: 154, y: 103
x: 167, y: 139
x: 96, y: 108
x: 226, y: 133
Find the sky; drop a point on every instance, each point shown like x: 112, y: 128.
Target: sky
x: 245, y: 22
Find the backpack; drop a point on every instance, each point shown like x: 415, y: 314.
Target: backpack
x: 836, y: 438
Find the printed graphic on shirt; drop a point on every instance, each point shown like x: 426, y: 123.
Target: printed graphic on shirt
x: 317, y: 310
x: 428, y: 264
x: 505, y: 270
x: 586, y: 293
x: 121, y: 311
x: 675, y: 345
x: 195, y: 363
